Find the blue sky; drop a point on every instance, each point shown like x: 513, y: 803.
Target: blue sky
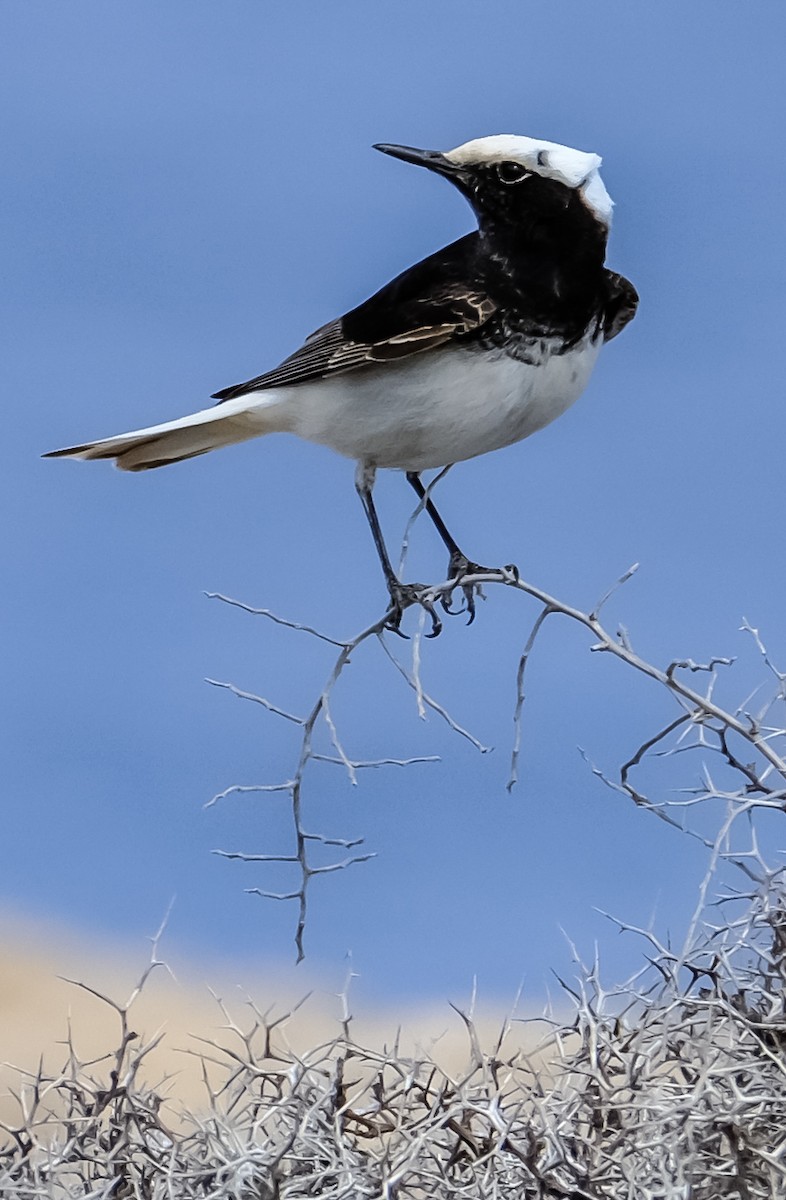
x: 189, y: 189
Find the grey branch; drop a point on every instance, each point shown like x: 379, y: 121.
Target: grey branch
x: 671, y: 1084
x: 750, y: 745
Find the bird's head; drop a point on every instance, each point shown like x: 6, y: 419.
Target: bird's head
x: 517, y: 181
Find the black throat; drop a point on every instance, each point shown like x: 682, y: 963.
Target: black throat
x: 544, y: 263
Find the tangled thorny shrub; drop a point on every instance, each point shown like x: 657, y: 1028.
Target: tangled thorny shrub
x: 739, y: 748
x: 673, y: 1086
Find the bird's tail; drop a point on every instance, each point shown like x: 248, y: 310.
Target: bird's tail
x: 235, y: 420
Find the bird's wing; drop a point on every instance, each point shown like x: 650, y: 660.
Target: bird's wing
x: 428, y: 305
x: 621, y: 304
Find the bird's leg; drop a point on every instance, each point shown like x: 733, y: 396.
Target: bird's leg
x: 459, y: 565
x: 453, y: 549
x: 402, y: 595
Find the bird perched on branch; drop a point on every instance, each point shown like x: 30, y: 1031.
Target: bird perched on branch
x: 474, y: 348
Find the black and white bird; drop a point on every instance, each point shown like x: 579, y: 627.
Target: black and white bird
x: 474, y: 348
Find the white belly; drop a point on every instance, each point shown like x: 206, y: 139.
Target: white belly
x: 438, y: 407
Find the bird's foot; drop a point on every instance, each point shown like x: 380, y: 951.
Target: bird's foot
x: 402, y: 597
x: 459, y: 568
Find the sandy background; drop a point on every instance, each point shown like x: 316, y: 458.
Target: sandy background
x: 37, y: 1009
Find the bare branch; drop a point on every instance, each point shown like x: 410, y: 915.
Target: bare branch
x: 749, y: 745
x: 623, y: 579
x: 433, y: 704
x: 241, y: 695
x: 271, y: 616
x: 514, y: 758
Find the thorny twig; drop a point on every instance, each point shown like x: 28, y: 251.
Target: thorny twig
x: 714, y: 729
x: 672, y: 1084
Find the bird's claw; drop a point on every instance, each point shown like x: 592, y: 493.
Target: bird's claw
x: 459, y: 568
x: 402, y: 597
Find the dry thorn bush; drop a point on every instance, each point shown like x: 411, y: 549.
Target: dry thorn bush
x: 671, y: 1086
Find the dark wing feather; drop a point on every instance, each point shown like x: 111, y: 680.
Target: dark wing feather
x: 621, y: 305
x: 324, y: 351
x: 428, y: 305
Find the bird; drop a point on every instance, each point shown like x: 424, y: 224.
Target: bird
x: 472, y: 349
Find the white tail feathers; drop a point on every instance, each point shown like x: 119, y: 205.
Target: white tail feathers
x: 142, y: 449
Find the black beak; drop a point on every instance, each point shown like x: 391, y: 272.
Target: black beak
x: 433, y: 159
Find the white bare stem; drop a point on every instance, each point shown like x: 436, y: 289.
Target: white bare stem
x: 757, y: 757
x: 514, y: 758
x: 271, y: 616
x: 418, y: 509
x: 433, y: 704
x: 241, y: 695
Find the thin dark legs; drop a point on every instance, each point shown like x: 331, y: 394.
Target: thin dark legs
x: 364, y: 483
x: 459, y: 564
x: 402, y: 595
x: 453, y: 550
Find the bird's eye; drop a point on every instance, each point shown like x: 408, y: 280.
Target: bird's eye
x: 511, y: 172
